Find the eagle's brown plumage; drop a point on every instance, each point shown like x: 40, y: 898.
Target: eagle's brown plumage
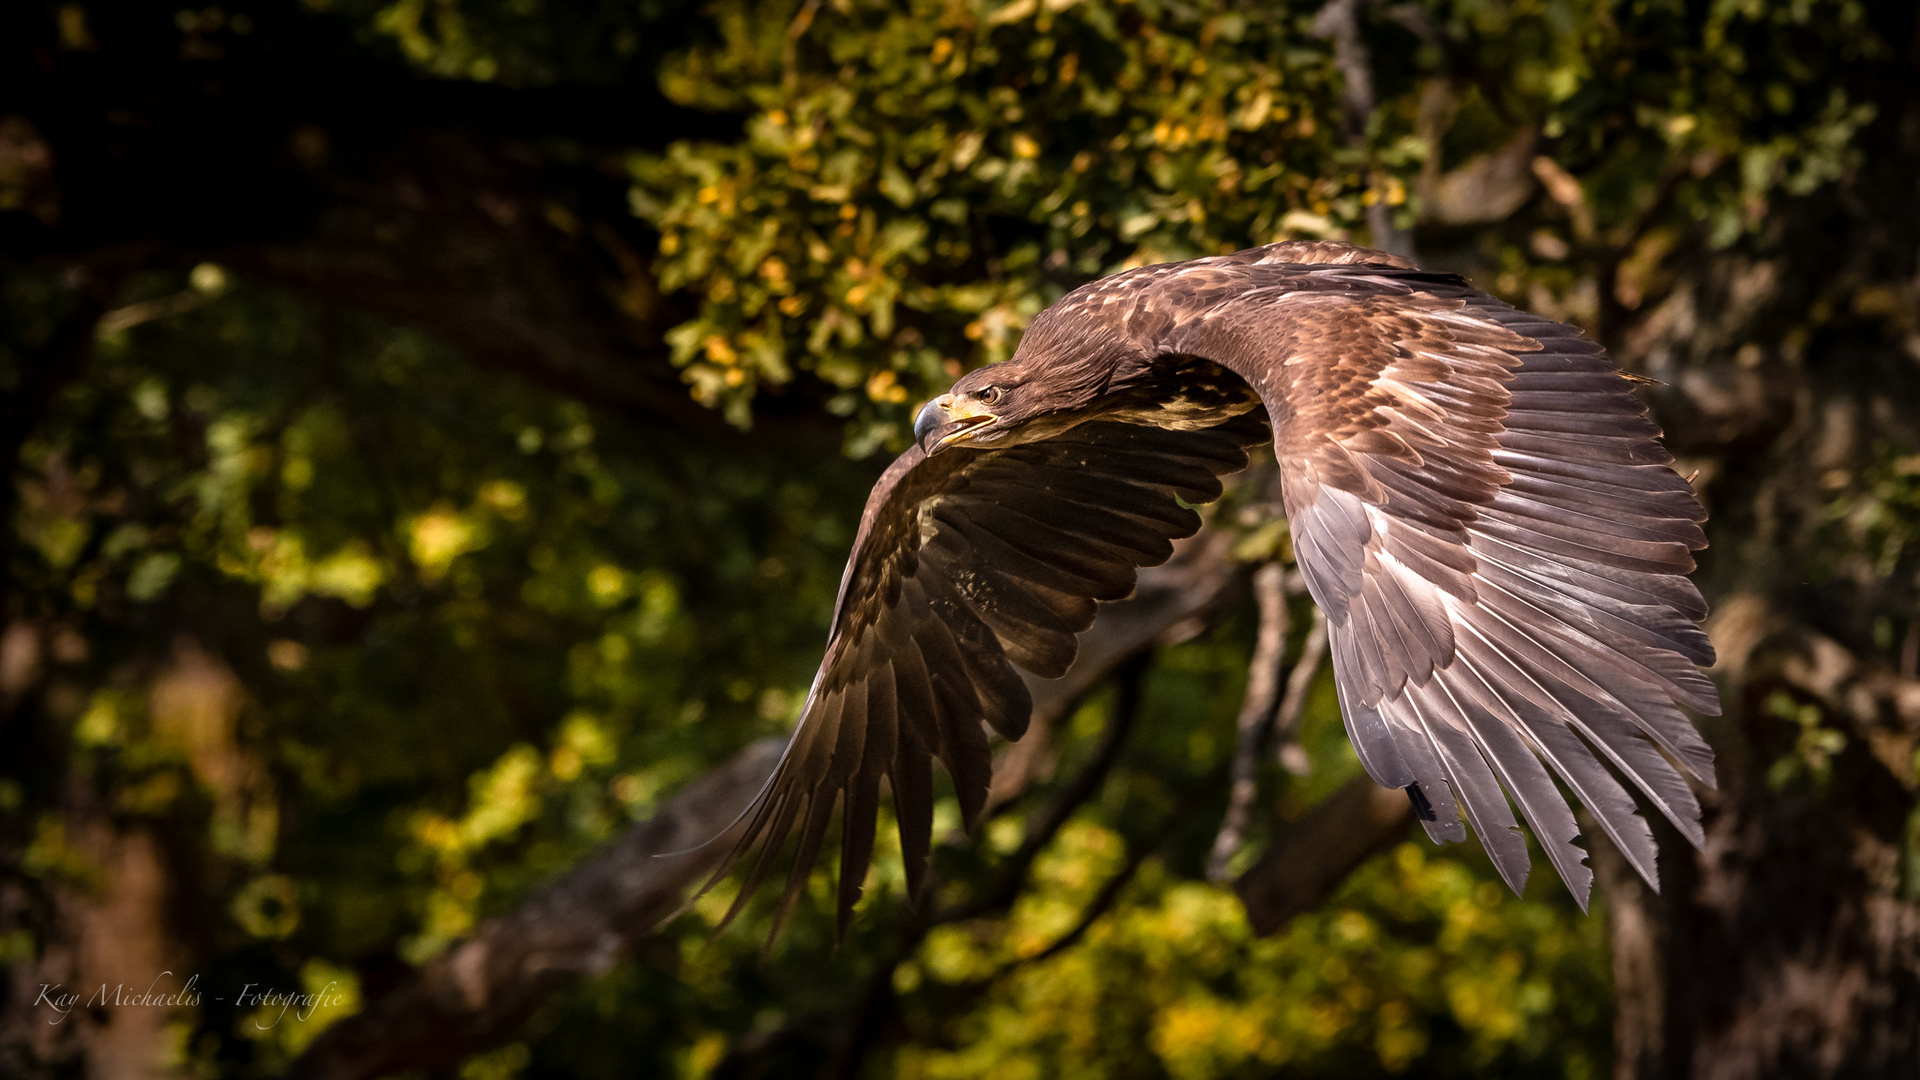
x: 1476, y: 500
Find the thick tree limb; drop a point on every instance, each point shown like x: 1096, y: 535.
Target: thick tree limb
x: 1843, y: 973
x: 583, y: 923
x: 473, y: 996
x: 1311, y: 857
x: 580, y: 925
x: 1789, y: 945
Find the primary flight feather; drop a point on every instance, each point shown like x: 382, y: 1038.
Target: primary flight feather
x: 1477, y: 502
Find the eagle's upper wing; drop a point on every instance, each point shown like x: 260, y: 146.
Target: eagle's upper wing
x: 1477, y: 501
x: 1500, y: 544
x: 964, y: 565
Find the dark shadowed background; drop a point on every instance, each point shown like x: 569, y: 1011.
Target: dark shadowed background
x: 434, y: 429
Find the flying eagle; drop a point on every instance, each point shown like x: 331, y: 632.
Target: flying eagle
x: 1477, y: 502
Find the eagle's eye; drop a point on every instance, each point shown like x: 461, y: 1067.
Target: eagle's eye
x: 990, y: 396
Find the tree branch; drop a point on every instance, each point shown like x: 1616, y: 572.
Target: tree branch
x: 852, y: 1030
x: 1256, y: 714
x: 1046, y: 822
x: 580, y: 925
x: 1170, y: 602
x: 1311, y: 857
x: 1286, y: 725
x: 878, y: 1002
x: 1109, y: 893
x: 1339, y: 23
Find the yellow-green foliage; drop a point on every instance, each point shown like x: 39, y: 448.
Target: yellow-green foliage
x: 917, y: 181
x: 1175, y: 977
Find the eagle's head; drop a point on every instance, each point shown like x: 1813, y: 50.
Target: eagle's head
x: 1072, y: 360
x: 1056, y: 380
x: 982, y: 407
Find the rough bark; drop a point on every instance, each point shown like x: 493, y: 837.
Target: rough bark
x: 1790, y: 946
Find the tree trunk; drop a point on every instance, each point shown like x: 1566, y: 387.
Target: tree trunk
x: 1790, y: 946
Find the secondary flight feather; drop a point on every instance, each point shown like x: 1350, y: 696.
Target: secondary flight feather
x: 1477, y: 502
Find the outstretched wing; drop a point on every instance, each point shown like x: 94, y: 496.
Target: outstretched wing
x: 965, y: 565
x: 1477, y: 501
x: 1499, y: 541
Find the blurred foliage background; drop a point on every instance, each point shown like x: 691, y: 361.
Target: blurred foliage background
x: 437, y: 428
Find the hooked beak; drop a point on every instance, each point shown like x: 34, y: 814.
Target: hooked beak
x: 946, y: 420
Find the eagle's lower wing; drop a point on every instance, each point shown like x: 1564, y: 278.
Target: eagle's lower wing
x: 1500, y: 544
x: 966, y: 564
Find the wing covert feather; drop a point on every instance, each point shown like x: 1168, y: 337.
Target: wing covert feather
x: 966, y: 565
